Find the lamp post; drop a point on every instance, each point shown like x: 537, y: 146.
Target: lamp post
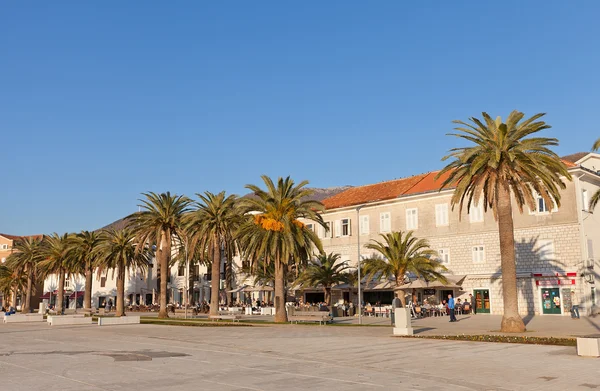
x: 187, y: 279
x: 358, y: 263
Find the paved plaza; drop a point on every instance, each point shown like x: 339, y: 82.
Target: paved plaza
x: 267, y: 357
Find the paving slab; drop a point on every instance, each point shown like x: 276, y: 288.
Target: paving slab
x: 273, y: 357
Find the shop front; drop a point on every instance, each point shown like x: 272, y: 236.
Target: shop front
x: 482, y: 301
x: 555, y: 294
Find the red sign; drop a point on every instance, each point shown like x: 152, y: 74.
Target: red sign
x: 554, y: 282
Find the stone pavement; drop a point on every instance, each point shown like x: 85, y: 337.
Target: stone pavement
x: 35, y: 357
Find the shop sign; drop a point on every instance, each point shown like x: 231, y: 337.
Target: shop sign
x: 554, y: 282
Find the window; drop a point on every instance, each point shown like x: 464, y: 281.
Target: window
x: 364, y: 225
x: 345, y: 223
x: 478, y: 254
x: 181, y: 271
x: 325, y: 232
x: 546, y: 249
x: 444, y: 256
x: 310, y: 227
x: 476, y: 213
x: 441, y: 215
x: 102, y: 282
x: 541, y: 207
x: 584, y: 200
x: 412, y: 218
x: 5, y: 247
x: 385, y: 222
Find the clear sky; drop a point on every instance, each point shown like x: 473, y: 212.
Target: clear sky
x: 100, y: 101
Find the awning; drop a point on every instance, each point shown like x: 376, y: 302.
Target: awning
x: 238, y: 289
x: 260, y: 288
x: 77, y: 294
x: 47, y: 295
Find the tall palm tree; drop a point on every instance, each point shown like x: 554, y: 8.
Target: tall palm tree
x: 55, y: 260
x: 11, y: 282
x: 596, y: 196
x: 117, y: 251
x: 272, y: 230
x: 325, y: 270
x: 212, y: 225
x: 403, y: 253
x: 505, y: 164
x: 158, y: 223
x: 24, y: 261
x: 6, y: 284
x: 82, y: 250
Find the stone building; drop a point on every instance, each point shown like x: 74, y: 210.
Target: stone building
x: 554, y: 246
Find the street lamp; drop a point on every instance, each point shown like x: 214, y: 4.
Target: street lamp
x: 358, y: 262
x: 187, y: 279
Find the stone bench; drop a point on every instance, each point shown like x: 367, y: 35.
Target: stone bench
x: 233, y: 318
x: 62, y: 320
x: 118, y: 320
x: 23, y: 318
x: 588, y: 346
x: 310, y: 316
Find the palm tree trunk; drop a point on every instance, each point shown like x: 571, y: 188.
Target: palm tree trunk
x: 87, y: 296
x: 327, y: 296
x: 121, y: 292
x: 215, y: 277
x: 414, y: 296
x: 26, y: 308
x: 228, y: 277
x: 511, y: 320
x: 280, y: 314
x: 60, y: 297
x: 163, y: 255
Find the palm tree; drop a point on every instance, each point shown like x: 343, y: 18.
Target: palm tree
x: 82, y: 250
x: 212, y: 226
x: 403, y: 253
x: 596, y: 197
x: 55, y: 260
x: 505, y: 164
x: 6, y: 284
x: 24, y: 262
x: 11, y: 282
x: 272, y: 231
x: 117, y: 251
x: 325, y: 270
x: 160, y: 221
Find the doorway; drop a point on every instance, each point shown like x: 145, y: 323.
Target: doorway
x: 482, y: 301
x: 551, y: 302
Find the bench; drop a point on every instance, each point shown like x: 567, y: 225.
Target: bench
x: 310, y: 316
x: 231, y: 317
x: 588, y: 346
x: 118, y: 320
x: 62, y: 320
x: 23, y: 318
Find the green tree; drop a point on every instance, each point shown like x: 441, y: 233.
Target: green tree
x: 55, y: 259
x: 402, y: 253
x: 158, y: 223
x: 325, y: 270
x: 212, y: 225
x: 272, y: 230
x: 117, y: 251
x: 505, y: 165
x: 24, y: 262
x: 82, y: 252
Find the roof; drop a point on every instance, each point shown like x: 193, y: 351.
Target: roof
x: 117, y: 225
x: 418, y: 184
x: 377, y: 192
x: 16, y: 237
x: 574, y: 158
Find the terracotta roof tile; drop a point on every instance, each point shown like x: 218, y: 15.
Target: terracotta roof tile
x: 370, y: 193
x: 15, y: 237
x: 573, y: 158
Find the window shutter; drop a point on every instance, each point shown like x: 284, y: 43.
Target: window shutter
x: 590, y: 246
x: 349, y: 227
x: 338, y: 228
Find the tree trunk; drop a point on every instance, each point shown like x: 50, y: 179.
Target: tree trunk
x: 280, y: 314
x: 511, y: 320
x: 87, y: 295
x: 215, y: 277
x: 163, y: 255
x: 26, y: 307
x: 120, y: 292
x: 60, y: 297
x: 327, y: 291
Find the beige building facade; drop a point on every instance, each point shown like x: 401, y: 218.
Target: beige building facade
x: 554, y: 245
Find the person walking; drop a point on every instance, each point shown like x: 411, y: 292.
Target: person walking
x: 396, y: 303
x: 473, y: 301
x: 574, y: 305
x: 451, y: 308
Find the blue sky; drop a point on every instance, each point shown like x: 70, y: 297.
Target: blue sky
x: 101, y: 101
